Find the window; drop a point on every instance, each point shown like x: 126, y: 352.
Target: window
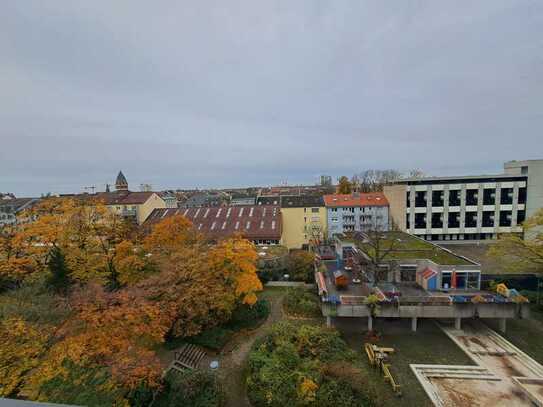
x: 420, y: 221
x: 521, y: 217
x: 471, y: 197
x: 506, y: 196
x: 454, y: 219
x: 505, y: 218
x: 471, y: 219
x: 446, y: 280
x: 473, y: 281
x: 437, y: 198
x: 454, y: 197
x: 437, y: 220
x: 408, y: 273
x: 334, y: 209
x: 489, y: 196
x: 420, y: 199
x: 522, y: 195
x: 315, y: 210
x: 461, y: 280
x: 488, y: 219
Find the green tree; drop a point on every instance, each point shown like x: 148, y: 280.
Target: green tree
x: 301, y: 266
x: 344, y: 186
x: 59, y: 280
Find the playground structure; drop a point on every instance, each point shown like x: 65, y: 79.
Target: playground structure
x: 378, y: 357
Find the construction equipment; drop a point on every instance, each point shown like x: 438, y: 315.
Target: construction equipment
x: 377, y: 357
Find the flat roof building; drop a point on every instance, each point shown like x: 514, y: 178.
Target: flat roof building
x: 473, y: 207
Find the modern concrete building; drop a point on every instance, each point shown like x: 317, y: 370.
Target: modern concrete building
x: 533, y: 169
x: 356, y: 212
x: 476, y: 207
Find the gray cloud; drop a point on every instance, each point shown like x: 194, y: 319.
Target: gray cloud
x: 208, y: 93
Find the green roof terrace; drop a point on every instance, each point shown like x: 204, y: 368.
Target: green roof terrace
x: 402, y: 246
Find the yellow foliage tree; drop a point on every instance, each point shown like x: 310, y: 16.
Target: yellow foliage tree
x: 235, y: 258
x: 21, y: 344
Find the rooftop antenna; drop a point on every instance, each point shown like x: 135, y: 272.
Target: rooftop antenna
x: 90, y: 188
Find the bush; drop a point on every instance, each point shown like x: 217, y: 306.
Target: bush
x: 247, y: 316
x: 191, y: 388
x: 243, y: 317
x: 300, y: 265
x: 302, y: 303
x: 298, y: 365
x: 83, y: 386
x: 214, y: 338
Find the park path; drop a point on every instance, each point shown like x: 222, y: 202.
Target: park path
x: 234, y: 356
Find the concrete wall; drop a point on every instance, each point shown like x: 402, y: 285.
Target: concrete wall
x: 509, y: 310
x: 143, y: 211
x: 396, y: 195
x: 534, y: 170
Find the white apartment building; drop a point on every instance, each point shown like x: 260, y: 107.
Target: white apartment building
x: 468, y: 207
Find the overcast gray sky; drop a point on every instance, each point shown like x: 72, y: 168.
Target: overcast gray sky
x: 234, y: 93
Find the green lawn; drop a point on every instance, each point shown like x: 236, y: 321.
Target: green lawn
x: 429, y: 345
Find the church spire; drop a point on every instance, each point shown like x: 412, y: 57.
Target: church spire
x: 121, y: 184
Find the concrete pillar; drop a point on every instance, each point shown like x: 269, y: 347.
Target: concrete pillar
x: 503, y: 325
x: 414, y: 324
x: 328, y: 321
x: 370, y: 323
x: 458, y: 323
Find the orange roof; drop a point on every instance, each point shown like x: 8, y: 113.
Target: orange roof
x: 360, y: 199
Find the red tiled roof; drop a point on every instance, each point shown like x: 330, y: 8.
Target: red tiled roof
x: 252, y: 222
x: 361, y: 199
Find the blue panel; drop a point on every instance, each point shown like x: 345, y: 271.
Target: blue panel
x: 432, y: 283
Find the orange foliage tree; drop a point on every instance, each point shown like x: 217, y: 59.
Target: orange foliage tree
x: 112, y: 329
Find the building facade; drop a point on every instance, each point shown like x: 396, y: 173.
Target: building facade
x: 12, y: 208
x: 468, y: 207
x: 356, y: 212
x: 304, y: 220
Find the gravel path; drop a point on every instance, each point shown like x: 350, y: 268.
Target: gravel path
x: 234, y: 357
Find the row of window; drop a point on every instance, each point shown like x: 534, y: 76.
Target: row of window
x: 472, y: 197
x: 351, y: 209
x: 488, y: 219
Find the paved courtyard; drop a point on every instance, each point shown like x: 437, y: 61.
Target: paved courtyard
x: 503, y: 375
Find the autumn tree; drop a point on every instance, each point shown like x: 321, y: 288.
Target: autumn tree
x: 85, y: 231
x: 198, y: 284
x: 115, y: 330
x: 171, y: 236
x: 344, y: 185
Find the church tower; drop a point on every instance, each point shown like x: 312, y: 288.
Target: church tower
x: 121, y: 184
